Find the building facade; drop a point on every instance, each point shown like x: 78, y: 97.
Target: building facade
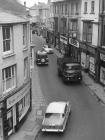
x: 15, y: 84
x: 89, y: 35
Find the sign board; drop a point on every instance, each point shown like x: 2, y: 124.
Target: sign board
x: 74, y: 42
x: 63, y: 39
x: 18, y: 96
x: 102, y: 57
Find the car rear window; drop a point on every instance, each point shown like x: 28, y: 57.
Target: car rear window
x: 48, y: 115
x: 72, y: 67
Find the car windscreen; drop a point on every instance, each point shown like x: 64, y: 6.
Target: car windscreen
x: 42, y: 56
x: 72, y: 67
x: 48, y: 115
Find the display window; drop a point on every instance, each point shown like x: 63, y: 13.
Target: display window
x: 10, y: 121
x: 102, y: 75
x: 23, y: 106
x: 92, y: 65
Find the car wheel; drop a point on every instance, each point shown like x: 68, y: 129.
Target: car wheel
x: 59, y: 73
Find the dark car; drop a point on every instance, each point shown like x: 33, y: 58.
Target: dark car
x: 69, y: 69
x: 41, y: 58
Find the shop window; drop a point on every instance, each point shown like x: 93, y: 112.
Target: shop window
x: 9, y: 78
x: 10, y: 121
x: 21, y: 106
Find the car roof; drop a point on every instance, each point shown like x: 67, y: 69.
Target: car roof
x: 41, y: 52
x: 56, y: 107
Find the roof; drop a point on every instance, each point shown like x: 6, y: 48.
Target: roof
x: 14, y: 6
x: 7, y: 17
x: 41, y: 52
x: 56, y: 107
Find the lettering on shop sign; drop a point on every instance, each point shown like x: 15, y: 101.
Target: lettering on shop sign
x: 74, y: 42
x: 102, y: 56
x: 18, y: 96
x: 63, y: 39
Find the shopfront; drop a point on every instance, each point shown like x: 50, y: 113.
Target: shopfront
x: 102, y: 68
x: 92, y: 60
x: 14, y: 110
x: 84, y: 56
x: 75, y: 50
x: 63, y: 44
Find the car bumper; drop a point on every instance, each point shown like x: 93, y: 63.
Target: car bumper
x: 72, y: 78
x: 52, y: 130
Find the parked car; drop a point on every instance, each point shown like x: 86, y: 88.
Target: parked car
x: 69, y: 69
x: 41, y: 58
x: 56, y: 116
x: 48, y: 49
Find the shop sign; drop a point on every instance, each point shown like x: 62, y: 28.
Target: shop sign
x: 63, y: 39
x: 18, y: 96
x: 74, y: 42
x: 102, y: 57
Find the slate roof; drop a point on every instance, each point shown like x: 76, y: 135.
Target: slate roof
x: 14, y: 6
x: 6, y: 17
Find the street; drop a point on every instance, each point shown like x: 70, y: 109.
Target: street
x: 87, y: 120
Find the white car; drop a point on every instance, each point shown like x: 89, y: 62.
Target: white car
x: 47, y: 49
x: 56, y: 116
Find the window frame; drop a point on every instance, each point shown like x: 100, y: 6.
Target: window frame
x: 6, y: 39
x: 85, y: 7
x: 25, y: 35
x: 86, y: 32
x: 26, y: 68
x: 8, y: 73
x: 92, y: 7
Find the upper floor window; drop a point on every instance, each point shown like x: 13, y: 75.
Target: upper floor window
x: 7, y: 39
x: 72, y: 8
x: 66, y: 9
x: 25, y: 68
x: 73, y: 26
x: 92, y: 6
x: 85, y: 7
x: 77, y: 9
x: 62, y: 8
x: 87, y: 32
x: 9, y: 78
x: 24, y: 34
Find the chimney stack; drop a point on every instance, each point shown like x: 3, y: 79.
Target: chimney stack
x: 24, y: 3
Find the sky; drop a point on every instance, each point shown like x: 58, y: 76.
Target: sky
x: 30, y: 3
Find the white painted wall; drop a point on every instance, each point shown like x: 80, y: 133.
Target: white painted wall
x: 17, y: 57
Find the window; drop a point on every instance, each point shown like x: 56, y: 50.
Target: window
x: 24, y: 34
x: 77, y: 9
x: 7, y: 38
x: 74, y: 25
x: 66, y: 9
x: 26, y: 68
x: 85, y: 7
x: 87, y: 32
x: 62, y: 8
x: 9, y: 78
x: 72, y: 9
x: 92, y: 6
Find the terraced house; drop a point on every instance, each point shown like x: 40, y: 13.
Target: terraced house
x: 15, y: 88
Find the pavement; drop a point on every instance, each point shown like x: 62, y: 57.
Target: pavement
x: 31, y: 127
